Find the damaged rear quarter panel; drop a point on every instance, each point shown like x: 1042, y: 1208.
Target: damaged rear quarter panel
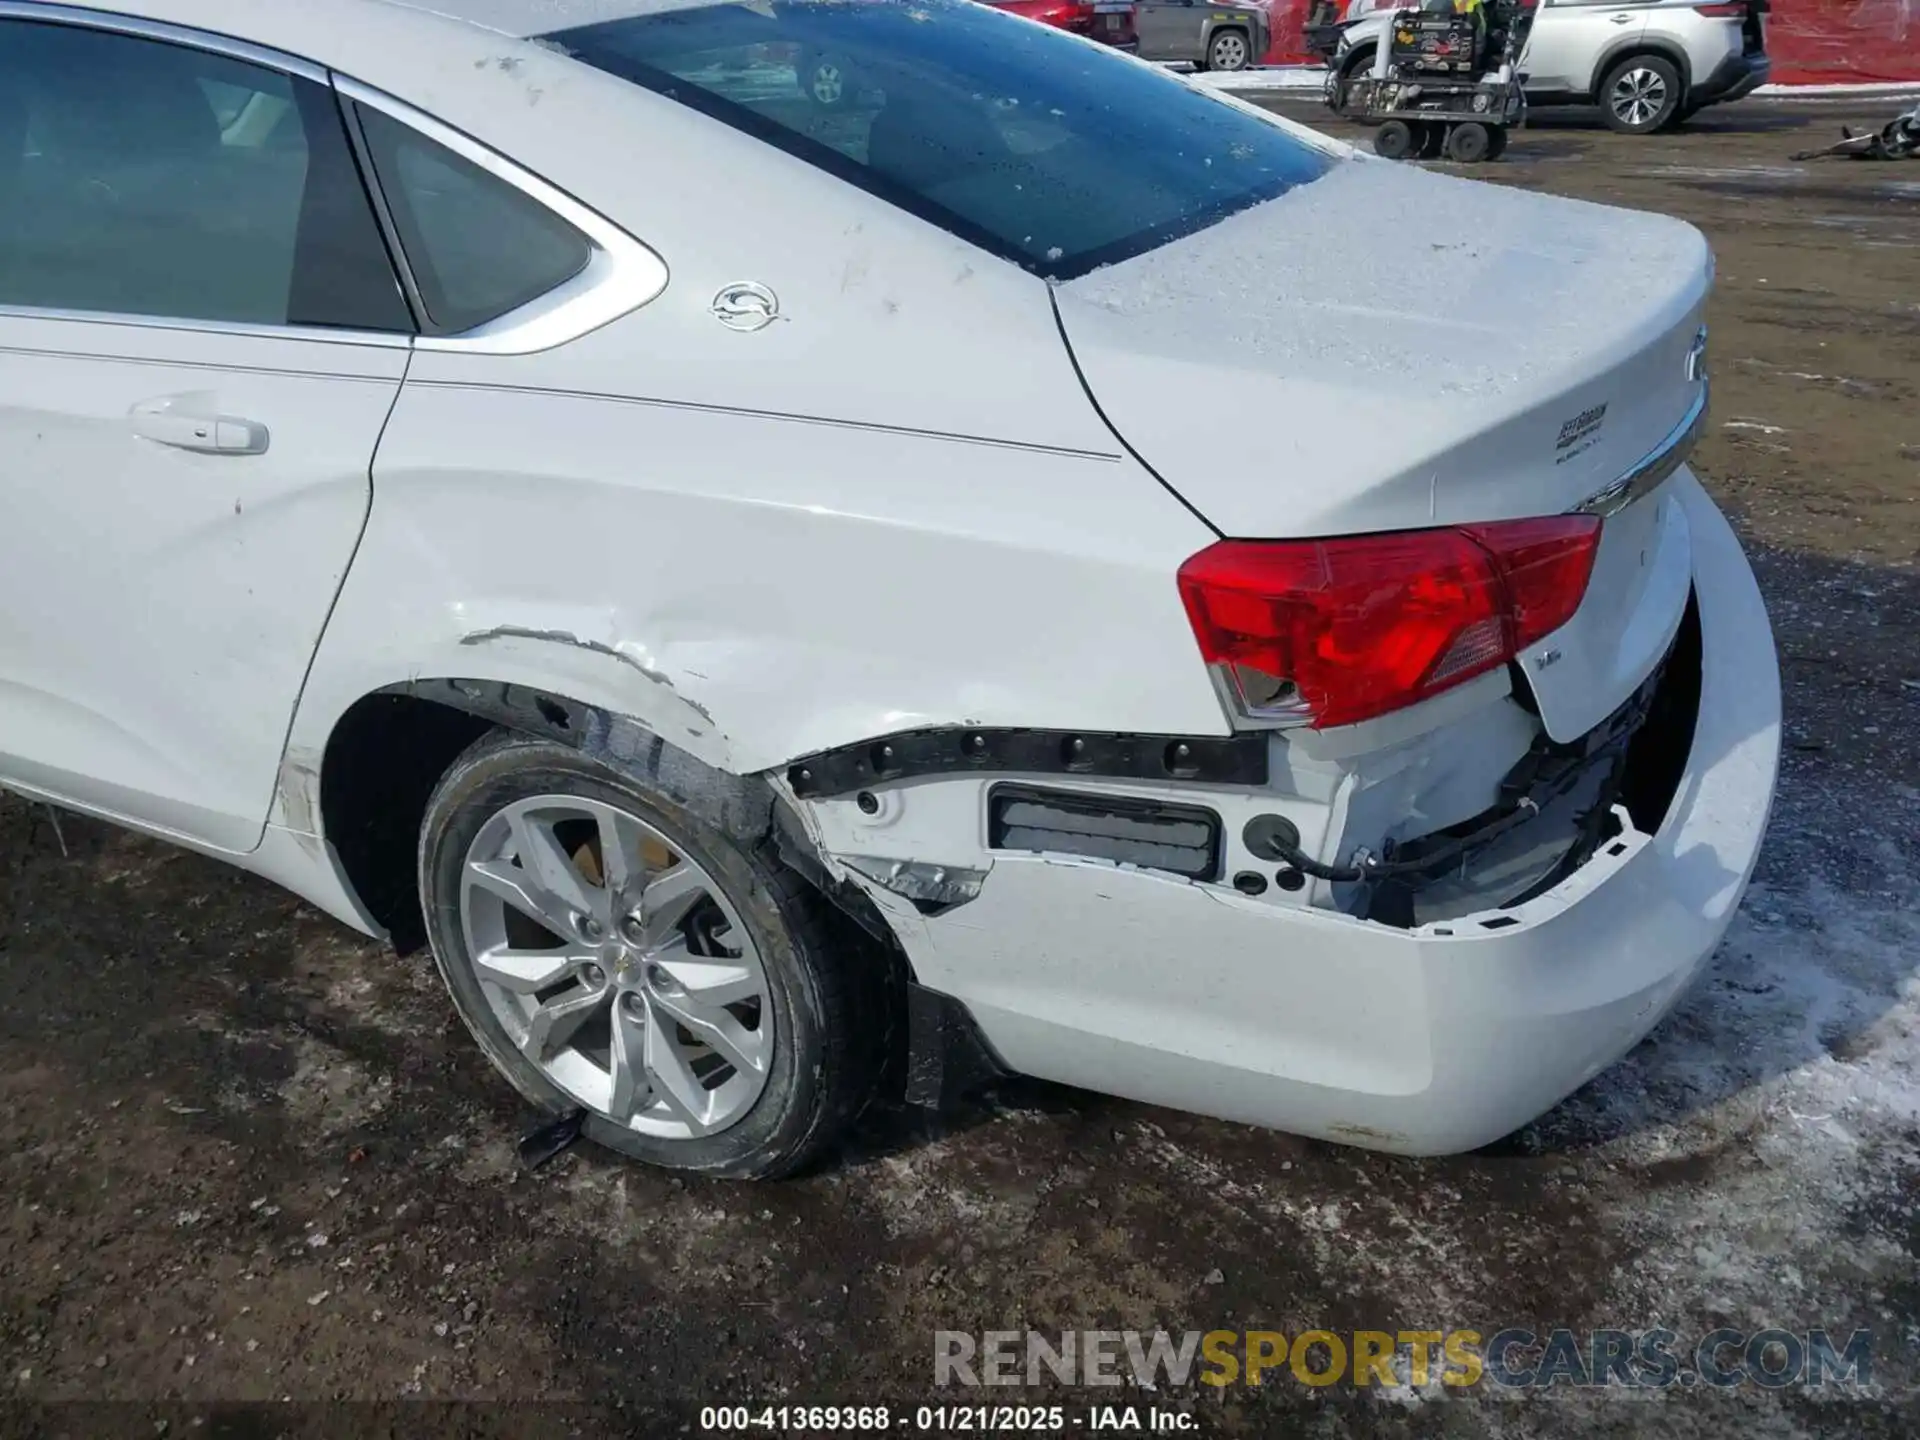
x: 753, y: 589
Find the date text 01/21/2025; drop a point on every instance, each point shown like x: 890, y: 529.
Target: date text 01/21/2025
x: 957, y: 1419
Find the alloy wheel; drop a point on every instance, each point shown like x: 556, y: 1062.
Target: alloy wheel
x: 617, y: 965
x: 1229, y: 52
x: 1638, y: 96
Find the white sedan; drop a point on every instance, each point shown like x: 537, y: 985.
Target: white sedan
x: 789, y: 600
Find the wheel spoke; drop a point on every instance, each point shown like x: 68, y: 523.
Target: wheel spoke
x: 629, y: 1060
x: 554, y: 1023
x: 520, y: 889
x: 541, y: 856
x: 526, y: 972
x: 621, y: 863
x: 711, y: 985
x: 673, y: 1079
x: 740, y: 1047
x: 667, y: 899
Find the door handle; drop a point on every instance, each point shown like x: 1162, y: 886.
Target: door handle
x: 1622, y: 19
x: 183, y: 424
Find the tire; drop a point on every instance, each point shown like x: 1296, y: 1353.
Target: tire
x: 1393, y: 140
x: 808, y: 1039
x: 1433, y: 141
x: 1640, y: 95
x: 827, y: 83
x: 1497, y: 143
x: 1357, y: 68
x: 1229, y: 50
x: 1468, y: 144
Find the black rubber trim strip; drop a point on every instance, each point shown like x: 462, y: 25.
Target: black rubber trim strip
x: 1234, y: 760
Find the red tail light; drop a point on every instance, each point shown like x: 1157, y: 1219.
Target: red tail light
x: 1334, y: 631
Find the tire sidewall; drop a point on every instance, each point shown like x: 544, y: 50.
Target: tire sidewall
x: 501, y: 770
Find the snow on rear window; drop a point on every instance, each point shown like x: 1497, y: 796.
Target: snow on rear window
x: 1043, y: 147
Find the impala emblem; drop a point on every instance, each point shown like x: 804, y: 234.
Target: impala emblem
x: 746, y: 305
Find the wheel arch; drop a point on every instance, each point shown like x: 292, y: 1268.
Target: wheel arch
x: 1621, y: 50
x: 1217, y: 28
x: 371, y: 781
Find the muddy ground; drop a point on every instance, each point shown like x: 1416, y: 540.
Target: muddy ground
x: 245, y: 1156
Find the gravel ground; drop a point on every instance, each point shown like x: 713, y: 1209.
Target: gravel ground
x: 248, y: 1157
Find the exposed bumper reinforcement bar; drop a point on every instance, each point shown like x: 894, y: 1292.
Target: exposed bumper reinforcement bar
x: 1233, y: 760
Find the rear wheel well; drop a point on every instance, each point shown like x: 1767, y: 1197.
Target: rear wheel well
x: 381, y: 765
x: 390, y: 749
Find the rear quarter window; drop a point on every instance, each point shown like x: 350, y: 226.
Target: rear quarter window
x: 1053, y: 151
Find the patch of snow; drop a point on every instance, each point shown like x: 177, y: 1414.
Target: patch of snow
x: 1483, y: 258
x: 1850, y: 88
x: 1277, y: 77
x: 1791, y: 1078
x: 522, y: 18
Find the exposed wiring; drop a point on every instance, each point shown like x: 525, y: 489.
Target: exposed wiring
x: 1368, y: 867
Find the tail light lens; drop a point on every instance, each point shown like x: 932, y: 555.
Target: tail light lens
x: 1329, y: 632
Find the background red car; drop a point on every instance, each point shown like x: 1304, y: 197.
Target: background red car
x: 1108, y: 21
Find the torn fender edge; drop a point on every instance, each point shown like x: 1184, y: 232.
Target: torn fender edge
x: 749, y: 809
x: 739, y: 806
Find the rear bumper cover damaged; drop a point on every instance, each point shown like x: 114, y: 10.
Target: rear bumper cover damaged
x: 1429, y: 1040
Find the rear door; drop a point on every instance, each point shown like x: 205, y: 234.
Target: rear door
x: 201, y: 338
x: 1569, y: 39
x: 1168, y: 29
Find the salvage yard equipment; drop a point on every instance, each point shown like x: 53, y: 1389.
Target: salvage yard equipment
x: 1446, y: 82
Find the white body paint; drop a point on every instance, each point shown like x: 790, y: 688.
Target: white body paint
x: 896, y: 507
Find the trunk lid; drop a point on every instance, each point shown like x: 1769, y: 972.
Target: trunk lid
x: 1387, y: 349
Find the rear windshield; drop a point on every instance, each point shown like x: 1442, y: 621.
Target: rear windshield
x: 1037, y: 145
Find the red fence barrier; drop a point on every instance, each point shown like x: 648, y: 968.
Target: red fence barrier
x: 1812, y: 42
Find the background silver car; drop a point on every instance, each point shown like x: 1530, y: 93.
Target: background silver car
x: 1212, y: 37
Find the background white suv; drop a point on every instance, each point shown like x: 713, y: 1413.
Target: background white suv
x: 1646, y: 65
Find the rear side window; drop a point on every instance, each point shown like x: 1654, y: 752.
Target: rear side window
x: 1048, y: 149
x: 478, y: 247
x: 144, y: 178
